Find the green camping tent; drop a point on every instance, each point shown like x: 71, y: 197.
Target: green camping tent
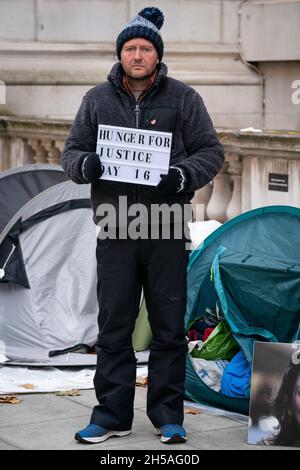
x: 251, y: 266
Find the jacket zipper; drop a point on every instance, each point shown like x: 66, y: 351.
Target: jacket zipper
x: 137, y: 114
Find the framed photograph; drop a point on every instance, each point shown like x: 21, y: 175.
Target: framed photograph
x: 275, y: 395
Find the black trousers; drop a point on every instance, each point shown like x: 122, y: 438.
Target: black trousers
x: 124, y: 267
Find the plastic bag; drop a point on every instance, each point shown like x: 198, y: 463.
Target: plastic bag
x: 210, y: 372
x: 219, y: 345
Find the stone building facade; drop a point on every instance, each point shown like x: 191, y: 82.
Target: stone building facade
x: 243, y: 57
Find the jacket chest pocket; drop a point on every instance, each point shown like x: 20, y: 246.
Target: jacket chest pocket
x: 160, y: 119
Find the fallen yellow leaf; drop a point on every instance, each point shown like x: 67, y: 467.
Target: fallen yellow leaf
x: 28, y: 386
x: 10, y: 399
x: 69, y: 393
x: 141, y: 381
x: 192, y: 411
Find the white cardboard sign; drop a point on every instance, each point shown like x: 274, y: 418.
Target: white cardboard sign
x: 133, y: 155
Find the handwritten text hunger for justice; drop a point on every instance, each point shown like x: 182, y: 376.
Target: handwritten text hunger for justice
x: 133, y: 155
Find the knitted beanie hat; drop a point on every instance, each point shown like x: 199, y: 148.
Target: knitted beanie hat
x: 144, y: 25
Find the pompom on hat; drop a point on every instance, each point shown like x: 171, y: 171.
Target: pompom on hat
x: 144, y: 25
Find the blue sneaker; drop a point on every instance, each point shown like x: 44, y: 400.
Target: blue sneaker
x: 94, y: 433
x: 171, y: 434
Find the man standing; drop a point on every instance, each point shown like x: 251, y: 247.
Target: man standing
x: 139, y: 94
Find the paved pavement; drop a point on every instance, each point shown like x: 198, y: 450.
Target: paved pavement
x: 47, y: 421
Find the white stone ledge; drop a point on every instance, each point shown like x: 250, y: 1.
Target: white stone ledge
x: 269, y: 144
x: 88, y: 65
x: 97, y: 73
x: 109, y: 47
x: 35, y: 47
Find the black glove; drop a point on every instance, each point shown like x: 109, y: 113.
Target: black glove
x: 92, y: 168
x: 172, y: 183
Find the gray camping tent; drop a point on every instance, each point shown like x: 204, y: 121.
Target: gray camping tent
x: 48, y: 303
x: 19, y: 185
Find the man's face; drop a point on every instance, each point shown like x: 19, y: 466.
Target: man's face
x: 139, y: 58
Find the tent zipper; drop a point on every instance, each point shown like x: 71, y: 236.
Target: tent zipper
x: 2, y: 270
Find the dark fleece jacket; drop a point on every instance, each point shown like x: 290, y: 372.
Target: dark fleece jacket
x: 171, y: 106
